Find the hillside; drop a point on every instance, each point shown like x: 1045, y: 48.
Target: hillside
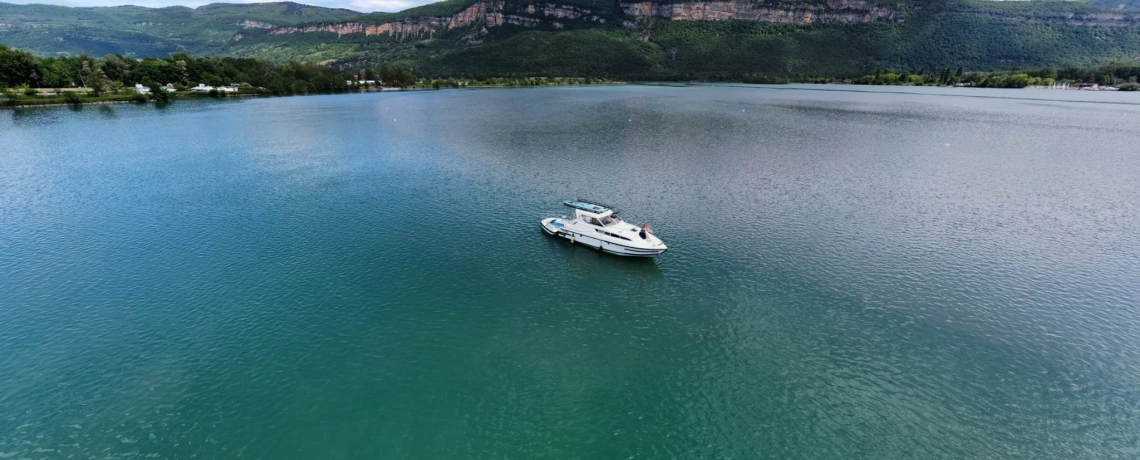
x: 663, y: 39
x: 717, y: 39
x: 139, y: 31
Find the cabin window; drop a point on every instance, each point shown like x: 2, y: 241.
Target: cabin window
x: 615, y: 235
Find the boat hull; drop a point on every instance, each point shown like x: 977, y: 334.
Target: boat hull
x: 551, y: 227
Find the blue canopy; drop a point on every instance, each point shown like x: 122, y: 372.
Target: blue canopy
x: 591, y: 207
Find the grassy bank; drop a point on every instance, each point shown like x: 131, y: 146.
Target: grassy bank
x: 70, y: 98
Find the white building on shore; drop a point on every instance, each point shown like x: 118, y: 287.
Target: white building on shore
x: 203, y: 88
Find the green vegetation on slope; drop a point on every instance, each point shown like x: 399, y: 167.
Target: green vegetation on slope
x: 735, y: 49
x: 142, y: 32
x: 573, y: 53
x: 1117, y: 4
x: 981, y: 36
x: 442, y: 8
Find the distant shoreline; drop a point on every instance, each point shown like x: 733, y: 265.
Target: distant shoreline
x: 131, y: 98
x: 126, y: 99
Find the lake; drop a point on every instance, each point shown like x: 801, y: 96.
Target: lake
x: 854, y: 272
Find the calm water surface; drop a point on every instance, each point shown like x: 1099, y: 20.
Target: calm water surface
x: 883, y: 275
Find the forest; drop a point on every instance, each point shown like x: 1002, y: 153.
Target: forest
x: 29, y: 80
x: 113, y: 72
x: 1122, y: 74
x: 24, y: 74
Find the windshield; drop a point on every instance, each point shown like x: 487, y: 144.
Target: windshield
x: 607, y: 221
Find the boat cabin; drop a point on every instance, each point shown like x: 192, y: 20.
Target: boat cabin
x: 601, y: 220
x: 593, y: 214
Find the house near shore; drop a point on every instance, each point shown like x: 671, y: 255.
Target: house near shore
x: 142, y: 89
x: 203, y: 88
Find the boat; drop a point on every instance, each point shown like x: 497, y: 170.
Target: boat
x: 598, y: 226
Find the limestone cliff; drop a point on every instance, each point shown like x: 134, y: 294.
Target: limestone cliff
x: 833, y: 12
x: 488, y: 14
x: 1086, y: 19
x: 497, y: 13
x: 839, y: 12
x: 251, y: 24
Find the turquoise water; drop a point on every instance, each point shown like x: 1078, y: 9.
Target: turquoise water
x: 851, y: 274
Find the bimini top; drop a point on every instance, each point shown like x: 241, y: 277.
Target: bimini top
x: 587, y: 206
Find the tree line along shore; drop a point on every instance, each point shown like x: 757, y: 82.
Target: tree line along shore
x: 26, y: 79
x: 1121, y: 77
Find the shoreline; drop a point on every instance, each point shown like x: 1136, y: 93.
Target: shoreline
x: 176, y: 98
x: 201, y: 96
x: 192, y: 96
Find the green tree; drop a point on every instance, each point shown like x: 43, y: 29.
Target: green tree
x: 116, y: 68
x: 94, y: 77
x: 158, y: 93
x: 397, y: 76
x: 56, y: 73
x: 183, y: 72
x: 1017, y: 81
x: 18, y: 68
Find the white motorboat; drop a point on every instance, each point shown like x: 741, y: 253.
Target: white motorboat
x: 599, y: 227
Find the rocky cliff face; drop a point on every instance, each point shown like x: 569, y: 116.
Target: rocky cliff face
x: 400, y: 30
x: 494, y: 14
x: 833, y: 12
x: 551, y: 10
x: 488, y: 14
x: 1101, y: 19
x: 251, y: 24
x: 497, y: 13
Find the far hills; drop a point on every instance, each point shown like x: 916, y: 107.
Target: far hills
x: 611, y: 38
x: 139, y: 31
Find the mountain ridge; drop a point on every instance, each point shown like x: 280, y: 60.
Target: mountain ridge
x: 141, y: 31
x: 652, y: 39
